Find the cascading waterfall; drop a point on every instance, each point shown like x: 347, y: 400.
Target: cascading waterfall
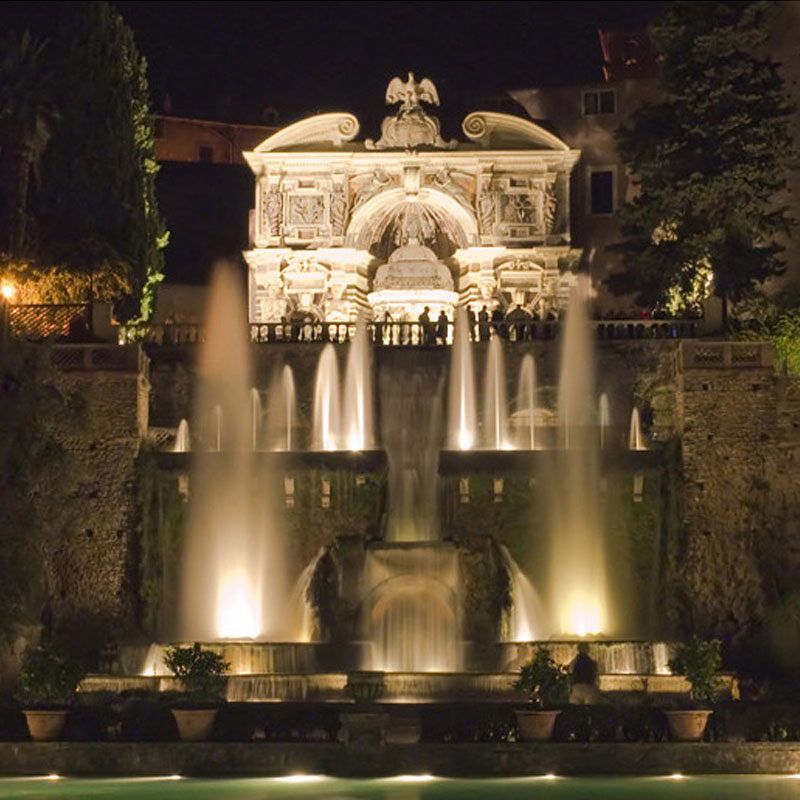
x: 526, y: 620
x: 183, y: 442
x: 282, y: 412
x: 412, y: 608
x: 495, y: 410
x: 578, y: 582
x: 325, y: 432
x: 357, y: 411
x: 300, y: 603
x: 604, y: 414
x: 233, y: 570
x: 526, y: 403
x: 462, y: 414
x: 635, y: 440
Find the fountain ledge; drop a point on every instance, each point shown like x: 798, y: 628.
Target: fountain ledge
x: 356, y: 461
x: 491, y: 759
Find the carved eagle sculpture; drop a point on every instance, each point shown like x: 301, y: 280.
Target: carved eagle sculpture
x: 411, y: 93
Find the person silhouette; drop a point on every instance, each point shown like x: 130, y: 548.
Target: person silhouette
x: 584, y: 678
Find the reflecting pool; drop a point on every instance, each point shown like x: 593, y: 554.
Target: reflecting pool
x: 407, y: 787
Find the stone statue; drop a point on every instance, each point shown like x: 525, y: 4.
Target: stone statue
x: 410, y: 94
x: 486, y: 212
x: 411, y: 127
x: 338, y: 213
x: 272, y: 212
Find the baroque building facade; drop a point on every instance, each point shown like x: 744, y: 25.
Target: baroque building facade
x: 343, y: 228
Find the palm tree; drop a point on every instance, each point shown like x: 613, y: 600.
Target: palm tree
x: 27, y: 115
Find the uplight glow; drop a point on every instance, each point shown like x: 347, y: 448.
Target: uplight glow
x: 52, y: 777
x: 300, y: 778
x: 237, y: 612
x: 676, y: 776
x: 412, y: 778
x: 583, y: 617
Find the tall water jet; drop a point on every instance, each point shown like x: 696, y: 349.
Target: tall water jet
x: 604, y: 415
x: 183, y: 442
x: 255, y: 417
x: 526, y: 402
x: 578, y: 587
x: 326, y: 432
x: 282, y: 412
x: 462, y: 420
x: 233, y: 567
x: 526, y: 619
x: 495, y: 410
x: 635, y: 440
x: 357, y: 411
x: 216, y: 428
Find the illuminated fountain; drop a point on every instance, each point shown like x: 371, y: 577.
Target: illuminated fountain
x: 256, y: 414
x: 495, y: 410
x: 604, y: 414
x: 635, y: 440
x: 183, y: 441
x: 463, y: 417
x: 527, y: 618
x: 233, y: 571
x: 526, y: 403
x: 578, y: 584
x: 282, y: 412
x: 326, y: 431
x: 358, y: 404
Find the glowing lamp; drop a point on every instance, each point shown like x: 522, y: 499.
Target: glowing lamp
x: 9, y: 291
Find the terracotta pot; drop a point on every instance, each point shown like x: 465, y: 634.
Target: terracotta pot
x: 194, y: 725
x: 535, y: 725
x: 45, y: 726
x: 687, y: 726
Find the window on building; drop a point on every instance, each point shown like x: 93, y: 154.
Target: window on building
x: 603, y: 101
x: 601, y: 191
x: 205, y: 153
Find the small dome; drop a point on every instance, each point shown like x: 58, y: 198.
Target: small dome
x: 413, y: 251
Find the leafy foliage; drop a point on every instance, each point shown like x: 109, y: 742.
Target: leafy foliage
x: 38, y: 501
x: 708, y: 158
x: 545, y: 682
x: 776, y: 320
x: 96, y: 207
x: 49, y: 676
x: 200, y: 671
x: 699, y: 661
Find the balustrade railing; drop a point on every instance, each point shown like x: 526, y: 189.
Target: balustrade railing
x: 411, y: 334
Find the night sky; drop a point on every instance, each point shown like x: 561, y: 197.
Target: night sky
x: 304, y: 57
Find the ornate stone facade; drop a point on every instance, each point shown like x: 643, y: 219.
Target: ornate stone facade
x: 491, y: 213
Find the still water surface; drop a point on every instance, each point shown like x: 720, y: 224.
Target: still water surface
x: 408, y: 788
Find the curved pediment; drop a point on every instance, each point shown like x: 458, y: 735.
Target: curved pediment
x: 315, y: 133
x: 495, y: 131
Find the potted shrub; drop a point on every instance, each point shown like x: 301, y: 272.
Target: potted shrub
x: 698, y: 660
x: 547, y: 685
x: 48, y: 681
x: 201, y: 674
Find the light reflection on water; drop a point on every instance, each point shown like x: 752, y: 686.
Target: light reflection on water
x: 407, y: 787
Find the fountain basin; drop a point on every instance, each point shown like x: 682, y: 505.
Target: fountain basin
x: 460, y: 462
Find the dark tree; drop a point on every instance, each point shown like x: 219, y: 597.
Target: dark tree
x: 27, y: 116
x: 708, y: 159
x: 97, y: 204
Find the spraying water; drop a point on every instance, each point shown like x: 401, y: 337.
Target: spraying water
x: 282, y: 410
x: 462, y: 417
x: 526, y: 402
x: 325, y: 433
x: 495, y: 410
x: 526, y: 621
x: 255, y: 417
x: 183, y: 442
x: 578, y: 569
x: 635, y: 439
x: 357, y: 412
x: 604, y: 414
x: 233, y: 566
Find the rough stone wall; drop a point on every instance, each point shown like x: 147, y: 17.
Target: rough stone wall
x: 737, y: 500
x: 88, y: 573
